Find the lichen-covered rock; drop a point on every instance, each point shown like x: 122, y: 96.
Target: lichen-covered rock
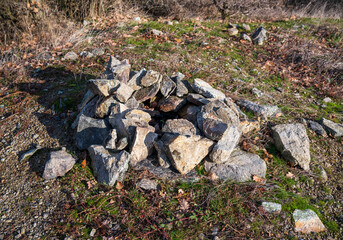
x: 264, y: 111
x: 307, y: 221
x: 111, y: 140
x: 190, y: 113
x: 103, y: 87
x: 205, y: 89
x: 272, y: 207
x: 241, y: 167
x: 249, y: 126
x: 151, y: 78
x: 179, y: 126
x: 162, y: 157
x: 135, y: 80
x: 108, y: 167
x: 293, y: 143
x: 259, y: 36
x: 104, y: 106
x: 171, y: 103
x: 124, y: 92
x: 59, y: 163
x: 121, y: 71
x: 144, y: 94
x: 147, y: 184
x: 222, y: 150
x: 167, y: 86
x: 214, y: 129
x: 185, y: 152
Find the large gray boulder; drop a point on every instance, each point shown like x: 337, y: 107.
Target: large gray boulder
x: 185, y: 152
x: 90, y: 131
x: 222, y: 150
x: 335, y: 129
x: 108, y: 167
x: 241, y: 167
x: 59, y: 163
x: 293, y: 143
x: 205, y: 89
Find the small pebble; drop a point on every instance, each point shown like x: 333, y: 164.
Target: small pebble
x: 92, y: 232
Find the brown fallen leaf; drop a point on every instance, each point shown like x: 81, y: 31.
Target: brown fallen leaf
x: 259, y: 180
x: 184, y: 205
x: 290, y: 175
x: 119, y: 186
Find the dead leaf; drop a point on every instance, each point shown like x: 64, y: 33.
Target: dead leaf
x: 180, y: 192
x: 290, y: 175
x: 184, y: 205
x: 259, y: 180
x: 84, y: 163
x: 119, y: 186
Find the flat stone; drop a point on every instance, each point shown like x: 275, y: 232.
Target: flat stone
x: 332, y: 128
x: 88, y: 96
x: 241, y: 167
x: 167, y: 86
x: 293, y: 143
x: 307, y: 221
x: 110, y: 141
x: 124, y: 92
x: 59, y: 163
x: 28, y: 154
x: 205, y: 89
x: 71, y: 56
x: 171, y: 103
x: 88, y: 110
x: 181, y: 89
x: 179, y: 126
x: 264, y: 111
x: 90, y: 131
x: 144, y: 94
x: 259, y: 36
x: 122, y: 143
x: 157, y: 32
x: 246, y: 27
x: 197, y: 99
x: 103, y: 87
x: 135, y: 80
x: 150, y: 78
x: 272, y: 207
x: 139, y: 115
x: 142, y: 144
x: 213, y: 128
x: 185, y: 152
x: 317, y: 128
x: 108, y: 167
x: 103, y: 108
x: 222, y: 150
x: 162, y: 157
x: 250, y: 126
x: 147, y: 184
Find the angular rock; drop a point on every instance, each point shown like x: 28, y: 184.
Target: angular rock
x: 307, y: 221
x: 167, y: 86
x: 103, y: 87
x: 71, y: 56
x: 214, y: 129
x: 171, y: 103
x: 181, y: 89
x: 293, y: 143
x: 144, y: 94
x: 142, y: 144
x: 232, y: 31
x: 185, y: 152
x: 179, y: 126
x: 86, y: 54
x: 104, y: 107
x: 241, y: 167
x: 138, y: 115
x: 259, y: 36
x: 257, y: 92
x: 121, y: 72
x: 264, y: 111
x: 59, y: 163
x: 317, y: 128
x: 335, y: 129
x: 132, y: 103
x: 109, y: 167
x: 88, y: 110
x: 90, y: 131
x: 135, y: 80
x: 271, y: 207
x: 197, y: 99
x: 28, y: 154
x: 162, y: 157
x: 122, y: 143
x: 245, y: 37
x: 112, y: 62
x: 110, y: 141
x: 156, y: 32
x: 150, y: 78
x: 206, y: 90
x: 246, y: 27
x: 222, y: 150
x: 147, y: 184
x: 88, y: 96
x: 98, y: 51
x: 124, y: 92
x: 190, y: 113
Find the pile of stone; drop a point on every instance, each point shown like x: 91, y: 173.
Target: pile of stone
x: 147, y: 120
